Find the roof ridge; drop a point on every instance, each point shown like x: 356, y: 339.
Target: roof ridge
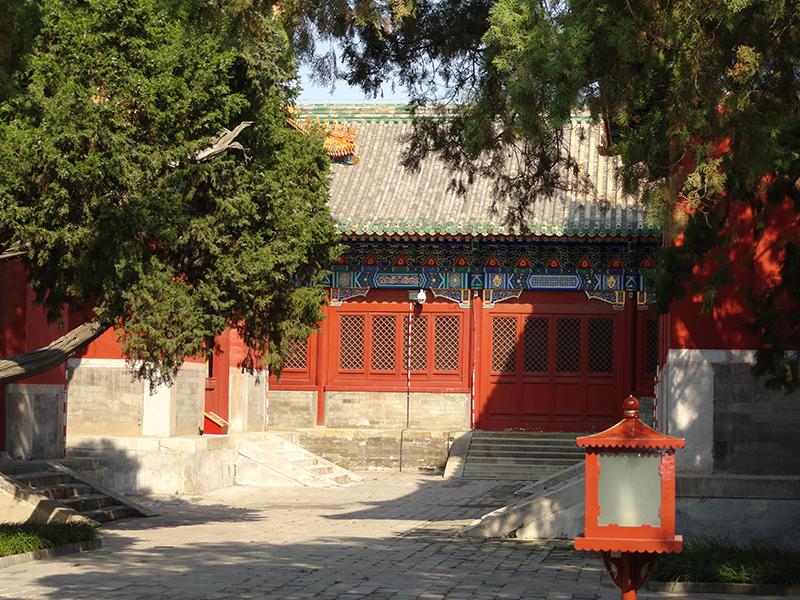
x: 385, y: 113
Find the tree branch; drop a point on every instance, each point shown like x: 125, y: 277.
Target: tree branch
x: 38, y: 361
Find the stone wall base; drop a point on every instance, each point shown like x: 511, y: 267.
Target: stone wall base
x: 160, y: 466
x: 380, y: 449
x: 731, y: 422
x: 34, y: 420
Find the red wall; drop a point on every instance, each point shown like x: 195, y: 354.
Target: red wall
x: 754, y: 263
x: 23, y: 325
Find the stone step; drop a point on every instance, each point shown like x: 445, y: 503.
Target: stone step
x: 11, y: 467
x: 322, y: 470
x: 86, y: 502
x: 291, y: 461
x: 64, y: 490
x: 43, y: 478
x: 524, y: 443
x: 112, y: 512
x: 525, y: 435
x: 516, y: 460
x: 81, y: 463
x: 481, y: 466
x: 532, y: 452
x: 519, y: 474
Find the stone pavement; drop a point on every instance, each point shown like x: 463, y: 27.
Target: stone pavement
x: 391, y: 536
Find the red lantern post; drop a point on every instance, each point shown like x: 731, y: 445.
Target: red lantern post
x: 630, y: 498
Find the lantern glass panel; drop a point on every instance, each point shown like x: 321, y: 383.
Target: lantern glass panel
x: 629, y: 489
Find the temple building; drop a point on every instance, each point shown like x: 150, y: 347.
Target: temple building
x: 442, y: 317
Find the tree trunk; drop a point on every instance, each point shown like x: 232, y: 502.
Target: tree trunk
x: 38, y: 361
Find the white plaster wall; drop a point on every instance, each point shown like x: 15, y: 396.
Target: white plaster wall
x: 686, y: 402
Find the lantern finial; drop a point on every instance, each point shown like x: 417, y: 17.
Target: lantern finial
x: 630, y: 408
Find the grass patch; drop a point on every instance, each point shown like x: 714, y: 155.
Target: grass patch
x: 722, y: 561
x: 16, y: 538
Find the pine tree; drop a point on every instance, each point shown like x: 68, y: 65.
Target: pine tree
x: 111, y: 187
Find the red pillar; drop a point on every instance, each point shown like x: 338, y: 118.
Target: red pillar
x: 631, y: 360
x: 475, y: 366
x: 321, y: 376
x: 627, y: 584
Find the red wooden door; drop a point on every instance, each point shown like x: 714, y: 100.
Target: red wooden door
x: 552, y: 362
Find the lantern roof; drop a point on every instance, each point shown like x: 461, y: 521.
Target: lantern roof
x: 630, y: 432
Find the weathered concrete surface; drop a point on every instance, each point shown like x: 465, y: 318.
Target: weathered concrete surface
x: 34, y: 420
x: 389, y: 410
x: 187, y: 395
x: 743, y: 507
x: 171, y: 465
x: 247, y: 403
x: 748, y: 509
x: 768, y: 521
x: 731, y: 422
x: 380, y: 448
x: 103, y: 399
x: 195, y: 465
x: 755, y: 429
x: 391, y: 537
x: 456, y: 458
x: 266, y: 459
x: 19, y: 505
x: 292, y: 409
x: 686, y: 392
x: 554, y: 510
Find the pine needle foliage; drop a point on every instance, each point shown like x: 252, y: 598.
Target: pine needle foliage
x: 100, y: 127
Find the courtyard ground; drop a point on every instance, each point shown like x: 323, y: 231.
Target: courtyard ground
x: 392, y: 536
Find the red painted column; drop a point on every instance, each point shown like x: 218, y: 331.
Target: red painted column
x: 629, y: 341
x: 321, y: 376
x: 475, y: 366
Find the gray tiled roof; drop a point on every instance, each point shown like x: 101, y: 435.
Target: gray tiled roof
x: 378, y: 196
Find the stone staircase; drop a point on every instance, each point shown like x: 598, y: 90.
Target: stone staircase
x: 57, y: 481
x: 520, y: 455
x: 284, y: 462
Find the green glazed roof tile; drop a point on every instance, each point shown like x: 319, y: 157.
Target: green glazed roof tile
x: 377, y: 196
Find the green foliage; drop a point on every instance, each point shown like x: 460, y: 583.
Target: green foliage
x: 700, y: 100
x: 99, y: 185
x: 18, y: 538
x: 723, y: 561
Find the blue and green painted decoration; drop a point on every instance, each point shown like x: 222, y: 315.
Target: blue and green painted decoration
x: 452, y: 267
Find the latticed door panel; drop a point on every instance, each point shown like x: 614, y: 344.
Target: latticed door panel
x: 568, y: 345
x: 447, y: 343
x: 601, y: 345
x: 504, y: 344
x: 536, y: 345
x: 553, y: 362
x: 376, y: 346
x: 383, y: 343
x: 297, y: 355
x: 419, y: 342
x: 351, y: 343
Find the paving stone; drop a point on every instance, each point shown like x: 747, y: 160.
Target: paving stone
x: 391, y: 537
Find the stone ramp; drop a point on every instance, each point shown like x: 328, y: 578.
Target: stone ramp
x: 552, y: 509
x: 519, y: 455
x: 49, y: 490
x: 271, y: 459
